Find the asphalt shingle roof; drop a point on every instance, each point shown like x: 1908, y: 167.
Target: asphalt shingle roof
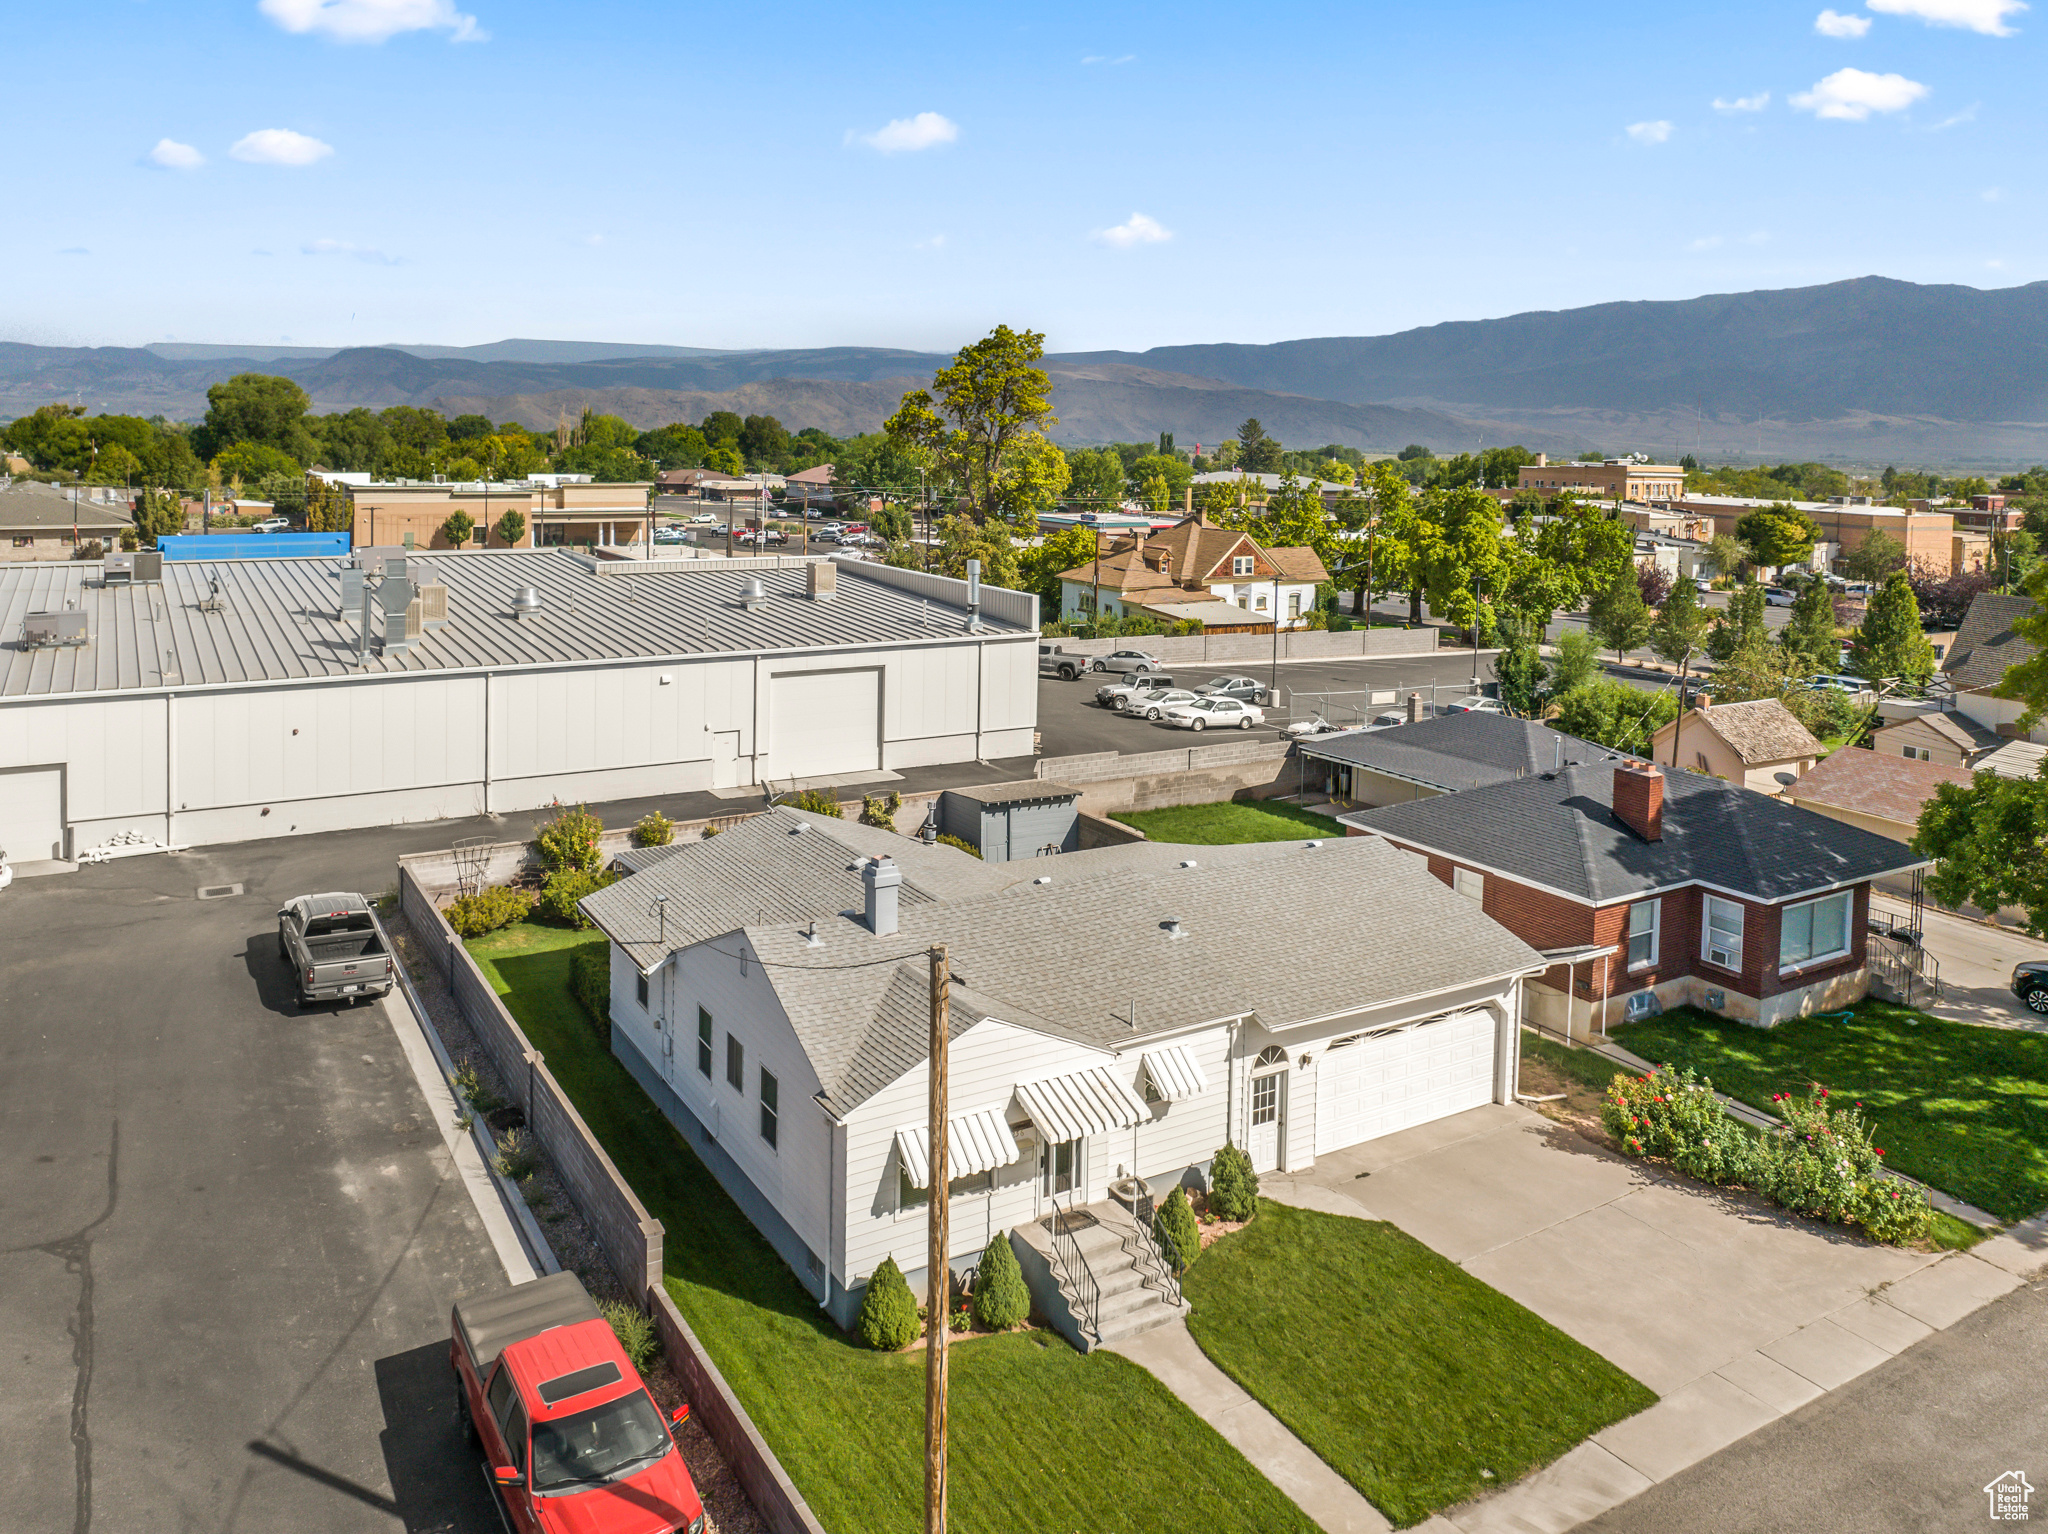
x: 1759, y: 731
x: 1986, y: 646
x: 1559, y: 830
x: 1868, y: 783
x: 1458, y: 751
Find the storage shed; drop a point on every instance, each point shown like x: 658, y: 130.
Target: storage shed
x: 1008, y: 821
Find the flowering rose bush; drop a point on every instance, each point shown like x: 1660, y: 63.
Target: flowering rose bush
x: 1821, y: 1163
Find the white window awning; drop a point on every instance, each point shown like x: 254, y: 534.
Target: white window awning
x: 1174, y: 1073
x: 979, y: 1141
x: 1085, y: 1103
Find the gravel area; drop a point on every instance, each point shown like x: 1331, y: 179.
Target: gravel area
x: 727, y: 1510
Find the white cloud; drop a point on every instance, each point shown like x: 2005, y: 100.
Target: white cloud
x: 1138, y: 229
x: 1650, y: 132
x: 1986, y: 16
x: 344, y: 248
x: 1754, y: 103
x: 172, y: 155
x: 372, y: 21
x: 1968, y: 114
x: 1835, y: 24
x: 279, y: 146
x: 923, y: 131
x: 1851, y: 95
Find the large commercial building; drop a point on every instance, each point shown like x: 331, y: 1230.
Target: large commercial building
x: 415, y: 516
x: 239, y: 698
x: 1616, y: 479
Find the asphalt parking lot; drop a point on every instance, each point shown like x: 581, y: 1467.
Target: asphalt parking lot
x: 232, y: 1233
x: 1070, y: 723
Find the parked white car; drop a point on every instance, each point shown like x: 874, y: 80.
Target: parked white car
x: 1473, y: 703
x: 1779, y: 596
x: 272, y: 525
x: 1215, y: 714
x: 703, y: 518
x: 1153, y: 705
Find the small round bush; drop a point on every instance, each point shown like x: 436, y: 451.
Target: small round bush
x: 1000, y: 1298
x: 635, y: 1330
x: 488, y: 910
x: 564, y: 888
x: 1180, y: 1238
x: 654, y: 830
x: 818, y: 801
x: 888, y: 1314
x: 570, y: 840
x: 1233, y: 1185
x: 953, y: 841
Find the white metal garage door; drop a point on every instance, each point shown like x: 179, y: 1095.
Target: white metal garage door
x: 32, y: 814
x: 1378, y: 1084
x: 822, y: 722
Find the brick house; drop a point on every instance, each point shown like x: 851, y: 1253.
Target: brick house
x: 1673, y: 889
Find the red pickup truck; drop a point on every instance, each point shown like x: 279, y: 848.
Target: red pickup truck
x: 572, y: 1441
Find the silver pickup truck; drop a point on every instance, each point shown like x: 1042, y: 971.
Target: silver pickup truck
x: 335, y: 946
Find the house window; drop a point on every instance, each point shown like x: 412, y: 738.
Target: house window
x: 1722, y: 942
x: 1260, y: 602
x: 1814, y: 930
x: 1919, y: 754
x: 1469, y: 884
x: 640, y: 991
x: 1642, y: 933
x: 1241, y: 565
x: 704, y: 1043
x: 769, y: 1098
x: 1706, y: 766
x: 1294, y: 604
x: 735, y: 1064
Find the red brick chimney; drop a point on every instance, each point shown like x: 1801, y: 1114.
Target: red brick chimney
x: 1639, y: 799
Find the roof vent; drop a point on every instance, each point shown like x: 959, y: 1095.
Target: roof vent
x: 1043, y: 879
x: 1172, y: 927
x: 1187, y: 863
x: 1312, y: 845
x: 753, y: 594
x: 525, y: 602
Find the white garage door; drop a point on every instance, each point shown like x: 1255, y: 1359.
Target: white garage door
x: 32, y: 814
x: 823, y: 722
x: 1376, y: 1085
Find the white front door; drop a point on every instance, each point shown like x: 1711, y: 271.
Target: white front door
x: 725, y: 759
x: 1268, y: 1094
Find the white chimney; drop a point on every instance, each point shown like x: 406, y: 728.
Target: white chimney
x: 880, y: 879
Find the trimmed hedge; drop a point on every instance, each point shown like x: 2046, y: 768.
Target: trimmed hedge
x: 590, y: 980
x: 488, y: 910
x: 953, y: 841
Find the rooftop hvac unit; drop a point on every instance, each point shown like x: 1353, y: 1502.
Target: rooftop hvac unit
x: 526, y: 602
x: 119, y: 570
x: 433, y: 604
x: 149, y: 566
x: 401, y: 612
x: 753, y: 594
x: 351, y: 589
x: 43, y: 631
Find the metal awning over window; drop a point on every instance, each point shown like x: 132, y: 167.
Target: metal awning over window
x: 975, y: 1142
x: 1085, y: 1103
x: 1174, y: 1073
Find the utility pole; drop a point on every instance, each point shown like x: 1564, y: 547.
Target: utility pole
x: 938, y: 1264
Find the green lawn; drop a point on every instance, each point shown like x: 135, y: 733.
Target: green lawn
x: 1959, y: 1106
x: 1581, y: 1065
x: 1232, y: 820
x: 1042, y: 1438
x: 1409, y: 1376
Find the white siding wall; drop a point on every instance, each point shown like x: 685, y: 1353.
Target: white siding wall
x: 113, y: 755
x: 1182, y: 1134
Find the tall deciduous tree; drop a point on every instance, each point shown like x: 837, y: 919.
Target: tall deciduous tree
x: 256, y: 407
x: 1889, y: 643
x: 1619, y: 618
x: 1676, y: 637
x: 1990, y: 845
x: 1781, y: 534
x: 1563, y: 559
x: 1728, y: 554
x: 979, y: 412
x: 2028, y: 681
x: 1096, y: 478
x: 1875, y: 557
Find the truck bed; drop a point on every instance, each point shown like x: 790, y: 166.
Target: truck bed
x: 489, y: 1323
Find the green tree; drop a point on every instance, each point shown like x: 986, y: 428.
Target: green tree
x: 1033, y: 480
x: 1781, y: 534
x: 1576, y: 663
x: 888, y: 1313
x: 1520, y: 668
x: 1040, y: 567
x: 1889, y: 643
x: 1756, y: 668
x: 510, y: 528
x: 1095, y: 478
x: 725, y: 459
x: 1875, y: 558
x: 1612, y: 714
x: 465, y: 428
x: 764, y: 440
x: 257, y: 407
x: 1173, y: 470
x: 1990, y: 845
x: 248, y: 462
x: 675, y: 446
x: 158, y: 514
x: 1728, y: 554
x: 1001, y: 1299
x: 457, y: 528
x: 1740, y: 623
x: 1618, y: 618
x: 328, y: 507
x: 961, y: 538
x: 1676, y: 637
x: 722, y: 427
x: 1809, y: 632
x: 1564, y: 558
x: 978, y: 412
x: 1180, y: 1238
x: 2028, y: 681
x: 1257, y: 453
x: 1233, y: 1185
x: 1460, y: 550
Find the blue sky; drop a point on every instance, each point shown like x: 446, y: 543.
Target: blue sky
x: 457, y: 171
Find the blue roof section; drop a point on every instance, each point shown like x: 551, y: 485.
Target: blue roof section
x: 254, y: 546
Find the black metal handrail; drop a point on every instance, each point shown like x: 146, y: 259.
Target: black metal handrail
x: 1151, y: 1260
x: 1071, y: 1268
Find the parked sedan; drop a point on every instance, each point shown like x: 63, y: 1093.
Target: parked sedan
x: 703, y: 518
x: 1779, y: 596
x: 1246, y: 689
x: 1474, y: 703
x: 2030, y: 984
x: 1153, y: 705
x: 1215, y: 714
x: 1118, y: 695
x: 1126, y: 660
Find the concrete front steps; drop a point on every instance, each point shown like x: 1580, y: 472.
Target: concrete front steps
x: 1133, y: 1289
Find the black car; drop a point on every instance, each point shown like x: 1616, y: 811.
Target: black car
x: 2030, y: 984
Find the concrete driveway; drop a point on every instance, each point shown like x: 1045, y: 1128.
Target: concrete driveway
x: 1670, y: 1280
x: 1976, y: 960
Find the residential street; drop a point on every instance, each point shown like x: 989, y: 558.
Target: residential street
x: 1976, y: 961
x: 1906, y: 1449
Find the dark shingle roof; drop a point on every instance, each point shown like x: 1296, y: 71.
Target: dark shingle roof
x: 1560, y: 831
x: 1986, y: 646
x: 1458, y: 751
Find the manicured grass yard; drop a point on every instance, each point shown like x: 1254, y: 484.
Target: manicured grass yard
x: 1042, y: 1438
x: 1409, y: 1376
x: 1580, y: 1065
x: 1957, y: 1105
x: 1232, y: 820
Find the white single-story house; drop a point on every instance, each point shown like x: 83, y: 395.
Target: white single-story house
x: 1114, y: 1014
x: 1221, y: 577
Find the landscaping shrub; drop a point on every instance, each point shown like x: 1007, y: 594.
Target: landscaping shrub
x: 570, y: 840
x: 818, y: 802
x: 888, y: 1314
x: 566, y: 886
x: 1821, y: 1163
x: 1233, y: 1185
x: 590, y: 979
x: 880, y: 810
x: 518, y: 1157
x: 1180, y: 1238
x: 469, y: 1085
x: 654, y: 830
x: 635, y: 1330
x: 1339, y: 624
x: 953, y: 841
x: 1000, y: 1298
x: 488, y: 910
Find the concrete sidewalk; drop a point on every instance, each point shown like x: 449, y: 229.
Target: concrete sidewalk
x: 1178, y: 1363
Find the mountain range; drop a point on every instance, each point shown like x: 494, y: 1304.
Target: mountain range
x: 1870, y: 370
